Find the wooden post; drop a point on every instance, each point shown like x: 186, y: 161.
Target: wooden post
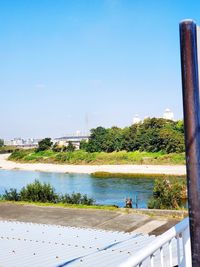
x: 191, y: 107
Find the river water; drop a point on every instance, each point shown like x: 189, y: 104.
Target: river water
x: 106, y: 191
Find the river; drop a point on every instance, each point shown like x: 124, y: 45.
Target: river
x: 106, y: 191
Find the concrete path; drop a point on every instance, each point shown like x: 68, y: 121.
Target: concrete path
x: 85, y: 218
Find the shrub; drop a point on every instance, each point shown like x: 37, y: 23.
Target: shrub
x: 43, y: 192
x: 87, y: 201
x: 56, y: 148
x: 11, y: 195
x: 38, y: 192
x: 168, y: 194
x: 19, y: 154
x: 62, y: 157
x: 70, y: 147
x: 77, y: 198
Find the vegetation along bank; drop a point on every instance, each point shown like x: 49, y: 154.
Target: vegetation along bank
x: 154, y: 141
x: 167, y: 194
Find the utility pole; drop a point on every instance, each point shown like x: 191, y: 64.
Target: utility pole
x: 87, y: 123
x: 191, y: 106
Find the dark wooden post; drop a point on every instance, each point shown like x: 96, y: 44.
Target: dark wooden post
x: 191, y: 107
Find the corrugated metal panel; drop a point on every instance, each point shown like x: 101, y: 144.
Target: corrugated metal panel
x: 27, y: 244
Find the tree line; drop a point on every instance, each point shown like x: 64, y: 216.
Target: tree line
x: 151, y: 135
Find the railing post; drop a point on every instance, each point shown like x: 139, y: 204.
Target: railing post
x: 187, y: 247
x: 191, y: 107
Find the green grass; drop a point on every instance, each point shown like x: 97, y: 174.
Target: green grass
x: 135, y: 175
x: 98, y: 158
x: 77, y: 206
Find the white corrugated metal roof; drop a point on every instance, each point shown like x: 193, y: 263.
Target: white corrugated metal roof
x: 28, y: 244
x: 40, y: 245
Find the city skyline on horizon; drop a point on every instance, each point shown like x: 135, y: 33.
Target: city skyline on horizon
x: 83, y: 132
x: 77, y: 64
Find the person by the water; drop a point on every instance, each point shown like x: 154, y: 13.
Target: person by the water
x: 129, y: 203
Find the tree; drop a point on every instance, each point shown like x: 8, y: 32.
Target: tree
x: 1, y: 142
x: 70, y: 147
x: 97, y: 140
x: 157, y: 134
x: 44, y: 144
x: 129, y: 138
x: 115, y: 138
x: 180, y: 126
x: 151, y: 135
x: 83, y: 144
x: 172, y: 141
x: 146, y: 135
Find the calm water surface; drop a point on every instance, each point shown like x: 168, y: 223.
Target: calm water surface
x: 104, y: 190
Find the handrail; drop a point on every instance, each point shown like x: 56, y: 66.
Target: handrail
x: 158, y: 243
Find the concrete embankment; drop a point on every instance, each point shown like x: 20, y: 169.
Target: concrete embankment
x: 99, y: 219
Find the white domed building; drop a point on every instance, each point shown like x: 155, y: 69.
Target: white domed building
x: 136, y: 119
x: 168, y: 114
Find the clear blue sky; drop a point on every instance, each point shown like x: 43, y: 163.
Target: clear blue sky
x: 109, y: 59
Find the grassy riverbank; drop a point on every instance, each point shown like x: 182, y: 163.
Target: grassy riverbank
x: 81, y: 157
x: 136, y: 175
x: 44, y: 194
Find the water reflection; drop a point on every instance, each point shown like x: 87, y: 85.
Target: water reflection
x: 112, y: 191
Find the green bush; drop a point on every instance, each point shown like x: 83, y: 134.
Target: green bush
x: 38, y: 192
x: 62, y: 157
x: 83, y: 157
x: 57, y: 148
x: 77, y: 198
x: 11, y: 195
x: 168, y: 194
x: 70, y: 147
x: 45, y: 193
x: 20, y: 154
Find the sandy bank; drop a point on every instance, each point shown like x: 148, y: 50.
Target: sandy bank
x: 160, y: 169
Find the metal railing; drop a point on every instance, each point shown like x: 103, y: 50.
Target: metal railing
x: 170, y: 249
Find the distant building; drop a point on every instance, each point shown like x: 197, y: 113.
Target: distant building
x: 22, y: 143
x: 75, y: 140
x: 136, y: 119
x: 168, y: 114
x: 78, y: 133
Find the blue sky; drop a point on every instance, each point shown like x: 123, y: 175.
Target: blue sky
x: 63, y: 61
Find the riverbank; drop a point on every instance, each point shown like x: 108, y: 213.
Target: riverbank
x: 82, y: 157
x: 88, y: 169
